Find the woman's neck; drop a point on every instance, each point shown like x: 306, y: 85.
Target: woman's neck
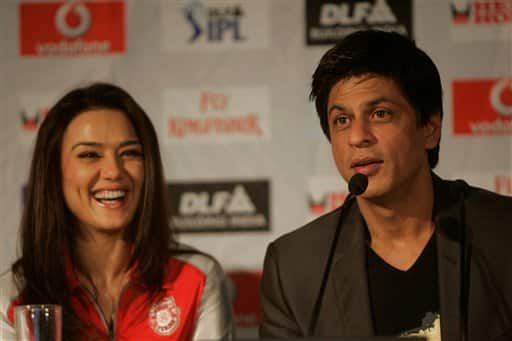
x: 102, y: 258
x: 101, y: 263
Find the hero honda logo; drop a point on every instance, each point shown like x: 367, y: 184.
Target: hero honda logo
x: 220, y: 206
x: 328, y: 202
x: 325, y: 193
x: 482, y: 107
x: 481, y: 11
x: 32, y: 120
x: 503, y: 184
x: 73, y: 19
x: 328, y: 21
x: 215, y: 23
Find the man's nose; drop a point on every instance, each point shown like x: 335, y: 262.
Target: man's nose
x: 361, y: 134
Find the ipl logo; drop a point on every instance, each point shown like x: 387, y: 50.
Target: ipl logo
x: 73, y: 19
x: 215, y: 22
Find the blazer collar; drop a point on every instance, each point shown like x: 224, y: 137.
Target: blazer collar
x: 349, y: 273
x: 447, y: 218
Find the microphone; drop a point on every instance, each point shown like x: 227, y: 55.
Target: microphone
x: 356, y: 186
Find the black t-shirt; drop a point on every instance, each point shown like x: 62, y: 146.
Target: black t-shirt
x: 404, y: 301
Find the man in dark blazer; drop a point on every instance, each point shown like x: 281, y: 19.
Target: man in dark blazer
x: 416, y: 255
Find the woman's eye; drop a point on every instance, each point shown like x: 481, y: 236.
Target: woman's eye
x: 132, y: 153
x: 88, y: 155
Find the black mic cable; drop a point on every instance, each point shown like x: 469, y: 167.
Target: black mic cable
x: 465, y: 261
x: 356, y: 186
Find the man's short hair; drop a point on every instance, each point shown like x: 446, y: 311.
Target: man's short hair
x: 385, y: 54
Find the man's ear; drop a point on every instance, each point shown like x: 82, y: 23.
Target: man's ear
x: 432, y: 131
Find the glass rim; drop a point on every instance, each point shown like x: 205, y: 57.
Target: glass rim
x: 38, y: 307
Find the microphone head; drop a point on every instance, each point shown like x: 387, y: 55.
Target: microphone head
x: 357, y: 184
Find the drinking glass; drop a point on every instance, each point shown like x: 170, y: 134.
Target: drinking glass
x: 38, y: 322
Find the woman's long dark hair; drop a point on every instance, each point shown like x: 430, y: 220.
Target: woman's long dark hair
x: 47, y: 225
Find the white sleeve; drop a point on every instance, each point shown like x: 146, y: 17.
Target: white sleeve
x: 8, y: 293
x: 215, y: 316
x: 215, y: 319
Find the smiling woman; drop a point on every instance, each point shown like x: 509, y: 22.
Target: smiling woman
x: 102, y: 170
x: 95, y: 236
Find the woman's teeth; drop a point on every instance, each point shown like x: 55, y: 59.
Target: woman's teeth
x: 110, y: 196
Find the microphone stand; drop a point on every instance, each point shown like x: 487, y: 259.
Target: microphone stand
x: 319, y: 299
x: 465, y: 264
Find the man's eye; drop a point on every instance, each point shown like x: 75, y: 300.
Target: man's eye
x: 381, y: 114
x: 88, y: 155
x: 341, y: 120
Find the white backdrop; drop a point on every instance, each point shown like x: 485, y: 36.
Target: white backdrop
x: 245, y: 61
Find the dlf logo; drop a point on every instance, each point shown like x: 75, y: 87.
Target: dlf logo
x: 356, y: 13
x: 215, y: 23
x: 234, y: 202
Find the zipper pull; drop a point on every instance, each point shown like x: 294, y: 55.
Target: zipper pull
x: 111, y: 330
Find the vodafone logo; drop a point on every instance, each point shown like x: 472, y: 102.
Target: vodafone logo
x: 482, y: 106
x: 501, y: 97
x: 72, y: 27
x: 479, y: 12
x: 73, y: 19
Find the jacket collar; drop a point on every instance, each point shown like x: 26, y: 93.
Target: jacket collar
x: 349, y: 265
x: 349, y: 275
x: 448, y: 205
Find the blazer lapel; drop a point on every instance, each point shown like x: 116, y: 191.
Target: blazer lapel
x: 448, y: 253
x: 448, y: 231
x: 350, y: 278
x: 349, y: 275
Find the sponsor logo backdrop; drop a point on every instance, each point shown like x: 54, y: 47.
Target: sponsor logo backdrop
x: 482, y: 20
x: 219, y: 206
x: 225, y: 83
x: 329, y: 21
x: 71, y: 28
x: 482, y: 107
x: 215, y: 25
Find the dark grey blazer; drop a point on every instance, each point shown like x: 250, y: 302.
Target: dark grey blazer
x: 295, y: 262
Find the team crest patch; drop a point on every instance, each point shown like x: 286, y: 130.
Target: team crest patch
x: 164, y: 316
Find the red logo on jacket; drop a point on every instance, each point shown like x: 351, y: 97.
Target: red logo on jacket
x: 164, y: 316
x: 72, y: 27
x: 482, y: 107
